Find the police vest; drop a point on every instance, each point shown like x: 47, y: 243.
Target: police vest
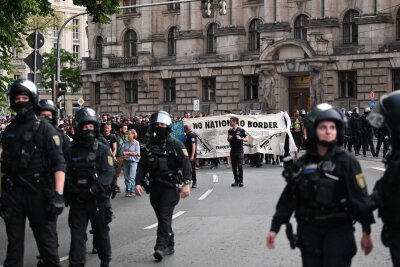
x: 390, y: 190
x: 162, y: 163
x: 29, y: 160
x: 318, y: 195
x: 83, y: 165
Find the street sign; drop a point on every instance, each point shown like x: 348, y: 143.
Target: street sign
x: 30, y: 61
x: 81, y: 101
x: 372, y: 95
x: 196, y: 105
x: 372, y: 103
x: 31, y: 40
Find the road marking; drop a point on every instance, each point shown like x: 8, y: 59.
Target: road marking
x: 205, y: 194
x: 378, y: 168
x: 64, y: 258
x: 215, y: 178
x: 179, y: 213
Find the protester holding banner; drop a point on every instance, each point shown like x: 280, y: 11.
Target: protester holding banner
x: 236, y: 137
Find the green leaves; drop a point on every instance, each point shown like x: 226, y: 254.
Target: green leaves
x: 70, y: 72
x: 100, y: 9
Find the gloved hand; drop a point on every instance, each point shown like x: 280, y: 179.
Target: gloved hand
x: 56, y: 205
x: 114, y: 189
x: 95, y: 189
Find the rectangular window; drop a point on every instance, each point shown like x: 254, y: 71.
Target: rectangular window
x: 251, y: 87
x: 347, y: 84
x: 75, y: 29
x: 173, y: 6
x: 396, y: 79
x: 131, y: 92
x: 76, y: 51
x: 169, y: 90
x: 97, y: 93
x: 17, y: 76
x: 129, y: 3
x: 209, y: 89
x: 55, y: 32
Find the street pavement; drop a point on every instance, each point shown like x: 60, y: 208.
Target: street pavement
x: 218, y: 225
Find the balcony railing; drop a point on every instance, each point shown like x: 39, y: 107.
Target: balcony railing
x: 123, y: 62
x: 93, y: 64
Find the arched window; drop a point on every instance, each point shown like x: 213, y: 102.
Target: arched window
x: 99, y: 48
x: 172, y: 41
x: 300, y: 31
x: 398, y: 25
x: 211, y: 39
x: 130, y: 44
x: 350, y: 29
x: 254, y: 35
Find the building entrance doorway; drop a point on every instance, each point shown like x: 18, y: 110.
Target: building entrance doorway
x: 299, y: 94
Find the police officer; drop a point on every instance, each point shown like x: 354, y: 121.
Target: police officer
x: 382, y: 136
x: 297, y: 131
x: 347, y: 133
x: 90, y: 173
x: 166, y: 161
x: 355, y: 125
x: 387, y: 189
x: 367, y: 133
x: 326, y: 190
x: 191, y: 146
x: 33, y: 173
x: 49, y: 111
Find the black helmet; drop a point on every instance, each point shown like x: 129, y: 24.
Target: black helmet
x: 23, y: 87
x: 387, y: 111
x: 303, y: 112
x: 325, y: 112
x: 161, y: 117
x: 86, y: 116
x: 367, y: 110
x: 356, y: 110
x: 47, y: 104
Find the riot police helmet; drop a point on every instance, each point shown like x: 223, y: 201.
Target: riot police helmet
x: 86, y: 116
x: 161, y: 117
x: 325, y: 112
x: 367, y: 110
x: 303, y: 113
x: 356, y: 110
x: 387, y: 111
x: 47, y: 104
x: 23, y: 87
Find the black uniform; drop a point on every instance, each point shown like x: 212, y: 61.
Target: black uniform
x: 237, y: 154
x: 355, y: 125
x: 167, y: 163
x: 388, y: 189
x: 190, y: 139
x: 382, y: 137
x: 32, y: 153
x: 367, y: 135
x: 90, y: 172
x: 326, y: 195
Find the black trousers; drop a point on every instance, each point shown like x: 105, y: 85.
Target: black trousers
x: 193, y: 164
x: 20, y: 204
x: 381, y: 140
x: 98, y: 212
x: 394, y: 246
x: 327, y: 245
x: 163, y: 199
x: 367, y: 142
x: 237, y: 167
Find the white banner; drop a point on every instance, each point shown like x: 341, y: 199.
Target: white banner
x: 266, y: 134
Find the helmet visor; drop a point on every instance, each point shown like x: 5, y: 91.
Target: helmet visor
x: 162, y: 118
x: 375, y: 118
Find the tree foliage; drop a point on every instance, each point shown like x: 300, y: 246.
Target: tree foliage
x: 70, y: 74
x: 15, y: 26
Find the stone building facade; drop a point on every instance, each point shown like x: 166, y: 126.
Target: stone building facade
x: 267, y: 55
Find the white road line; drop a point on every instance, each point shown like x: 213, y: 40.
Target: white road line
x: 205, y: 194
x: 179, y: 213
x: 378, y: 168
x: 64, y: 258
x: 215, y: 178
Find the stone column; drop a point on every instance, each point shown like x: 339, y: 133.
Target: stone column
x: 317, y: 94
x: 282, y: 10
x: 269, y: 11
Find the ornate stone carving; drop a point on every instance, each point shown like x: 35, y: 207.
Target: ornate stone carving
x: 267, y: 85
x: 317, y: 94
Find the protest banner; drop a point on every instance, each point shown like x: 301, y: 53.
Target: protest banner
x: 266, y: 134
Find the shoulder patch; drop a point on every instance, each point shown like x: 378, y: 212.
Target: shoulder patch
x: 184, y: 151
x: 361, y: 180
x: 56, y: 140
x: 110, y: 161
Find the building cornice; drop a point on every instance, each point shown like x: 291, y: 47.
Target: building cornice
x: 322, y: 23
x: 275, y: 27
x: 374, y: 18
x: 191, y: 34
x: 230, y: 30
